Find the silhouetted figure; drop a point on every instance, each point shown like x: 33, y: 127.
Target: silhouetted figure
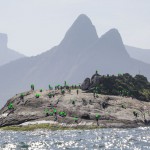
x: 65, y: 84
x: 77, y: 91
x: 69, y: 90
x: 76, y: 120
x: 96, y: 72
x: 55, y: 118
x: 94, y: 94
x: 32, y: 87
x: 55, y: 114
x: 135, y: 114
x: 97, y: 122
x: 50, y: 88
x: 22, y: 97
x: 62, y: 92
x: 73, y: 102
x: 47, y: 114
x: 97, y: 118
x: 104, y: 105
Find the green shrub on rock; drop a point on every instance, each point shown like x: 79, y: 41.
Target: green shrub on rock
x: 50, y: 95
x: 124, y: 85
x: 21, y: 96
x: 51, y: 113
x: 62, y: 92
x: 48, y: 113
x: 62, y: 114
x: 10, y: 106
x: 37, y: 95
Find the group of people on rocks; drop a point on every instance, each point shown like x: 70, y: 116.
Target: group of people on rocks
x: 54, y: 113
x: 62, y: 88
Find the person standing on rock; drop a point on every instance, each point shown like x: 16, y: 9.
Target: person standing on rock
x: 97, y: 118
x: 55, y: 114
x: 76, y: 120
x: 50, y: 88
x: 32, y: 87
x: 77, y: 91
x: 94, y: 94
x: 69, y: 90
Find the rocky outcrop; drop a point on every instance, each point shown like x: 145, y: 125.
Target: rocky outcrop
x: 90, y: 83
x: 120, y: 85
x: 86, y: 84
x: 113, y: 111
x: 95, y: 80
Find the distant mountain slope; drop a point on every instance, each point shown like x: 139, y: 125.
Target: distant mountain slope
x: 138, y: 53
x: 7, y: 55
x: 79, y: 54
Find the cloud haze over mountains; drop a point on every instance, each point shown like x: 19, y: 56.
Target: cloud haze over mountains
x: 7, y: 55
x: 80, y: 53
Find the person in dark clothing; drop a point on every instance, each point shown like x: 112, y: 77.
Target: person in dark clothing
x: 77, y: 91
x: 94, y: 94
x: 32, y: 87
x: 55, y: 114
x: 97, y: 118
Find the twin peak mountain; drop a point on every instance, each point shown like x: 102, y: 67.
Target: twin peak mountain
x: 82, y: 35
x: 79, y: 54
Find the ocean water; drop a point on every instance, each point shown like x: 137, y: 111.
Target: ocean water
x: 112, y: 139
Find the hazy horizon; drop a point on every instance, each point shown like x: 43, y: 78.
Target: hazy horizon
x: 36, y: 26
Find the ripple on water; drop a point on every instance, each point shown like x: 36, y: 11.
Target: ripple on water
x: 117, y: 139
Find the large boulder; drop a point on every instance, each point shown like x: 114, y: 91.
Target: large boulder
x: 95, y: 80
x: 86, y: 84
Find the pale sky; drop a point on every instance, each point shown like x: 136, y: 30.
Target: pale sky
x: 34, y: 26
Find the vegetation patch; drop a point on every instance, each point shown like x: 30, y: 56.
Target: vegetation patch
x: 37, y: 95
x: 123, y: 85
x: 48, y: 126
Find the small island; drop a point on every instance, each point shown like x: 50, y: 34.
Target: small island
x: 102, y: 101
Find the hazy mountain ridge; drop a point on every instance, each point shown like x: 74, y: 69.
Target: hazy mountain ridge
x: 7, y: 55
x: 139, y: 53
x: 75, y: 58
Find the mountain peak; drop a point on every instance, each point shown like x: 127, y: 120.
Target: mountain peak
x: 112, y: 33
x: 3, y: 40
x: 81, y: 33
x: 83, y: 19
x: 113, y: 41
x: 113, y: 37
